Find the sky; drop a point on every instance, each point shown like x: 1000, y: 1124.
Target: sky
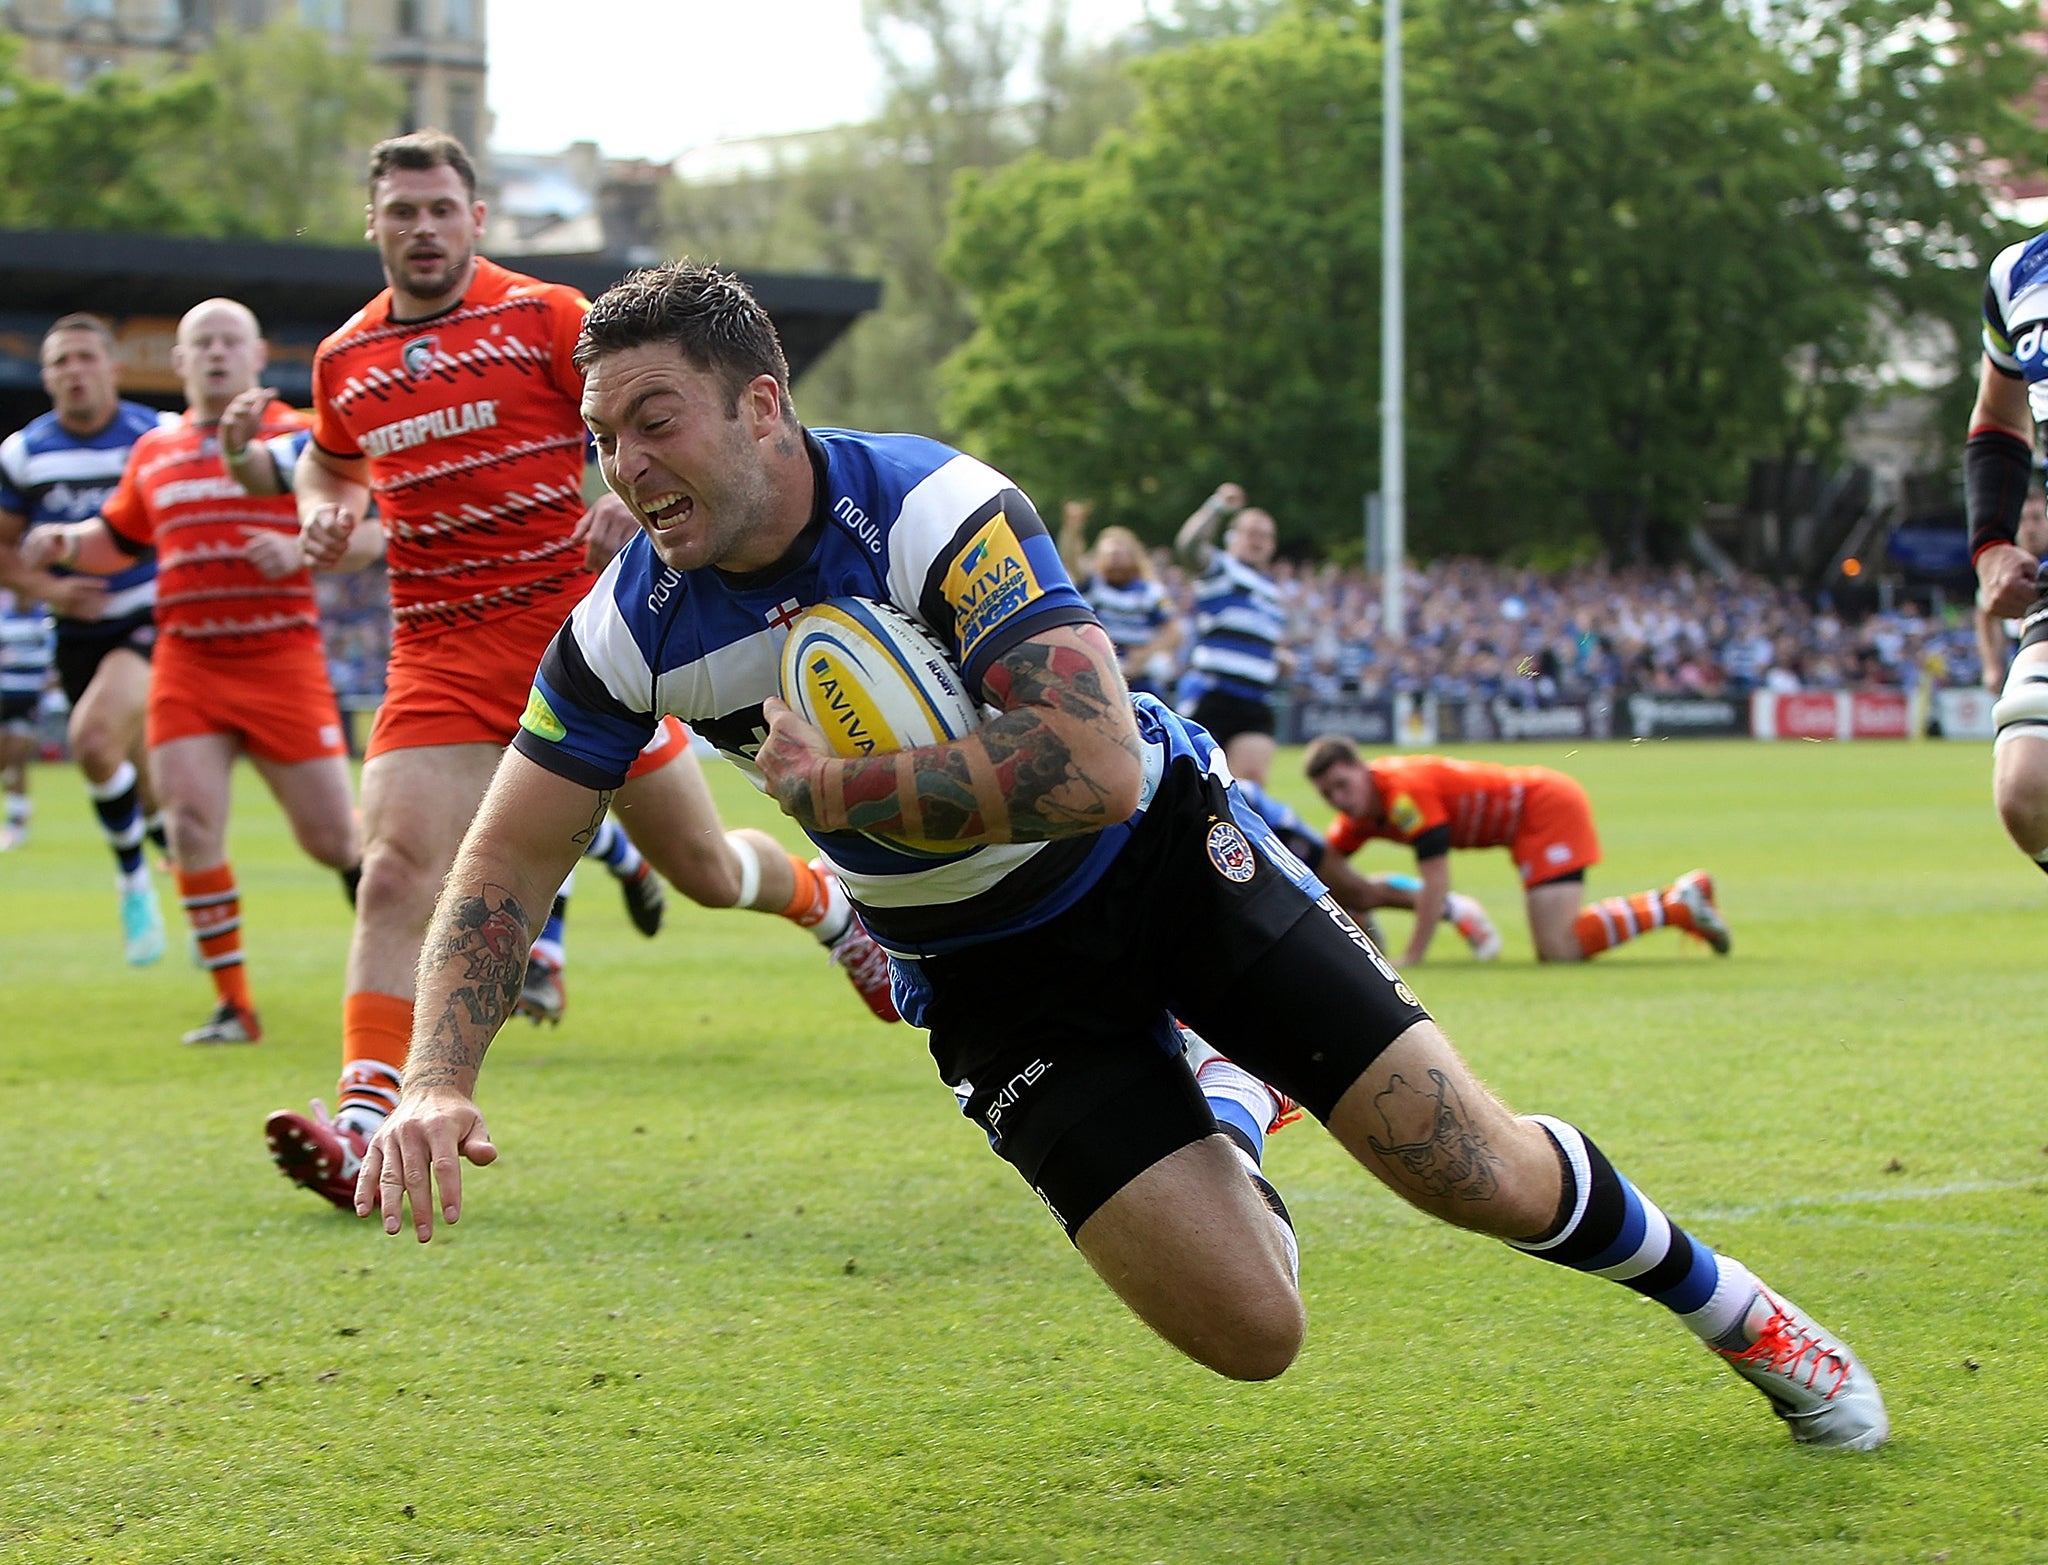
x: 651, y: 80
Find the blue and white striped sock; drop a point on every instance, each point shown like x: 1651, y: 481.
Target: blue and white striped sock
x: 118, y: 804
x: 1609, y: 1228
x: 547, y: 945
x: 1243, y: 1105
x: 612, y: 848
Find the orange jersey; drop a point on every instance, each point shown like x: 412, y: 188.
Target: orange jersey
x: 176, y: 497
x: 1483, y: 804
x: 469, y: 420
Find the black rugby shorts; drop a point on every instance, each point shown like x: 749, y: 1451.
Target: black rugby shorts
x: 1065, y: 1035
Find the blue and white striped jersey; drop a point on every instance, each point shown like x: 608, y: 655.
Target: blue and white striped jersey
x: 1132, y: 614
x: 284, y: 455
x: 897, y: 518
x: 28, y: 645
x: 1240, y: 621
x: 2016, y: 318
x: 50, y: 475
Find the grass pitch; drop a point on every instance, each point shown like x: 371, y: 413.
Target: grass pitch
x: 744, y: 1286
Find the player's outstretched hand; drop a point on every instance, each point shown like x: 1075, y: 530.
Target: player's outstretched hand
x: 421, y: 1145
x: 1229, y: 498
x: 603, y: 530
x: 243, y: 417
x: 792, y: 761
x: 274, y: 554
x: 40, y: 546
x: 324, y: 536
x: 2006, y: 580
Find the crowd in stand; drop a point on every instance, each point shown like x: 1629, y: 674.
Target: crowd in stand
x: 1477, y: 630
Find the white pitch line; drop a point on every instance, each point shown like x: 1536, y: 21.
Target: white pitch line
x: 1722, y: 1214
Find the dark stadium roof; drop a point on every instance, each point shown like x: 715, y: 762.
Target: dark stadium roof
x: 302, y: 292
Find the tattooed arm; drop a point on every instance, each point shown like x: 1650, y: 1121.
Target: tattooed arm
x: 1061, y: 759
x: 528, y: 834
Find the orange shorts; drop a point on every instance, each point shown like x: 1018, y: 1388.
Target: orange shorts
x: 468, y: 686
x: 670, y: 740
x: 1557, y: 836
x: 464, y: 686
x: 275, y: 700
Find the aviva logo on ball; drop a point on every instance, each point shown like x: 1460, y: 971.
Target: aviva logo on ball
x: 844, y: 710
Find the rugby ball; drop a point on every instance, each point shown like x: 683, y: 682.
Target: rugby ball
x: 873, y: 679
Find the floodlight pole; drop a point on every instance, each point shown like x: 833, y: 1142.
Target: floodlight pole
x: 1393, y: 344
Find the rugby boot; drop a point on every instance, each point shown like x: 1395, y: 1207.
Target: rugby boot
x: 1813, y: 1382
x: 866, y: 966
x: 229, y: 1023
x: 142, y: 926
x: 1696, y: 890
x: 646, y: 900
x: 314, y: 1152
x: 542, y: 997
x: 1470, y: 920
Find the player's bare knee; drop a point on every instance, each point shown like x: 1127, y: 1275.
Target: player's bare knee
x: 708, y: 874
x: 97, y: 748
x: 395, y: 884
x: 1261, y: 1348
x: 332, y: 843
x: 2019, y: 788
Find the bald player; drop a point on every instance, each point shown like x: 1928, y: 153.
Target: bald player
x: 239, y: 668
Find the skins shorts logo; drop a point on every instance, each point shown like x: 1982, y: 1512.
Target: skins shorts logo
x: 1231, y: 854
x: 419, y: 354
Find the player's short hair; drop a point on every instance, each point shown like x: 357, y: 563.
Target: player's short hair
x: 420, y: 150
x: 81, y: 321
x: 1326, y: 751
x: 709, y: 315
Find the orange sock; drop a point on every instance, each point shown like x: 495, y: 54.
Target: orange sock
x: 214, y: 908
x: 1610, y: 923
x: 819, y: 904
x: 376, y: 1032
x: 813, y: 895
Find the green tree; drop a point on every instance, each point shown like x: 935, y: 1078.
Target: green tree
x: 89, y: 159
x: 262, y: 138
x: 967, y: 85
x: 281, y: 156
x: 1646, y: 243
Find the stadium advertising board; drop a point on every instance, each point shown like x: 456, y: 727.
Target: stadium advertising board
x: 1480, y: 722
x: 1677, y: 717
x: 1366, y: 723
x: 1831, y: 714
x: 1964, y: 713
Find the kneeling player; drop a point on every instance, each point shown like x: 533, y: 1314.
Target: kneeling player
x: 1541, y: 817
x: 1359, y: 895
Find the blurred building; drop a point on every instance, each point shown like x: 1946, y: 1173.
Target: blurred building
x: 434, y: 47
x: 574, y: 202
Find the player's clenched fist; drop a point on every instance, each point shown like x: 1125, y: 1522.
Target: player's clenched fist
x: 420, y: 1146
x: 792, y: 761
x: 2007, y: 580
x: 324, y: 536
